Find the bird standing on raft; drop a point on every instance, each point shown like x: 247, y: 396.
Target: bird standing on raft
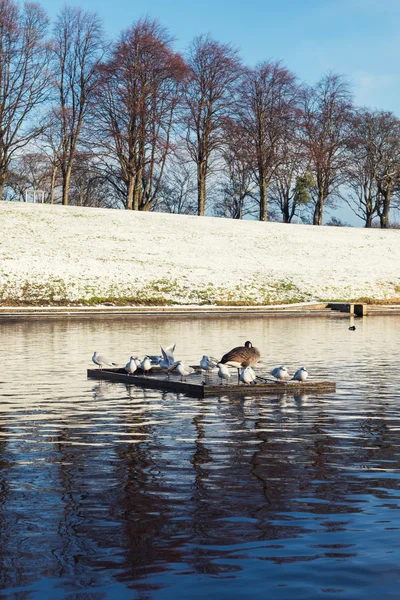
x: 101, y: 360
x: 241, y: 356
x: 300, y: 375
x: 280, y: 373
x: 131, y: 366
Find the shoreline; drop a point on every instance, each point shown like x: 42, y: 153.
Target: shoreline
x: 304, y: 309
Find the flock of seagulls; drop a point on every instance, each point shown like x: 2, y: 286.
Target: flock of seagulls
x: 242, y: 358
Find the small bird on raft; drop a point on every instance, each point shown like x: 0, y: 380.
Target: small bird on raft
x: 352, y: 328
x: 145, y: 365
x: 247, y: 375
x: 300, y: 375
x: 241, y: 356
x: 223, y: 372
x: 100, y: 360
x: 131, y: 366
x: 183, y: 370
x: 207, y: 364
x: 280, y: 373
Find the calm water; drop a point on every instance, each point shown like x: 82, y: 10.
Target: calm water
x: 109, y: 492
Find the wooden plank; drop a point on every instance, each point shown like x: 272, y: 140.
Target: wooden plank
x: 196, y: 388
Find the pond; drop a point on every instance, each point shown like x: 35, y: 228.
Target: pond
x: 115, y: 492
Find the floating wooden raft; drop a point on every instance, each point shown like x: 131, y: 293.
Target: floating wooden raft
x: 194, y: 384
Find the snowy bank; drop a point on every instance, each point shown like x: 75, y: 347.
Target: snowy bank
x: 54, y: 255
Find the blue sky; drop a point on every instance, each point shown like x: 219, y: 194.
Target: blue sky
x: 358, y: 38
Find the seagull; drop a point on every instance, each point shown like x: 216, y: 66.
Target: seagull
x: 301, y: 374
x: 101, y: 360
x: 241, y: 356
x: 247, y: 375
x: 145, y: 365
x: 223, y: 372
x: 138, y: 361
x: 167, y: 359
x: 207, y: 364
x: 280, y: 373
x: 131, y: 366
x: 184, y: 370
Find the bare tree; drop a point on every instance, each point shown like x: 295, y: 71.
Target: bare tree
x: 373, y: 173
x: 23, y: 77
x: 177, y: 192
x: 209, y: 96
x: 268, y: 100
x: 291, y: 184
x: 136, y: 108
x: 236, y: 190
x: 326, y: 127
x: 77, y: 48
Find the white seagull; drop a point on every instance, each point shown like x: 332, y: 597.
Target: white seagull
x: 301, y: 374
x: 145, y: 365
x: 131, y: 366
x: 167, y: 359
x: 184, y: 370
x: 280, y: 373
x: 223, y: 372
x: 138, y: 361
x: 100, y: 360
x: 207, y: 364
x: 247, y: 375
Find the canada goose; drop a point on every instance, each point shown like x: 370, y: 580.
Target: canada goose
x: 101, y: 360
x: 241, y: 356
x: 130, y: 366
x: 301, y: 374
x: 280, y: 373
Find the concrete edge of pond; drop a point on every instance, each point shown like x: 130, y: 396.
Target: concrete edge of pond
x: 304, y: 309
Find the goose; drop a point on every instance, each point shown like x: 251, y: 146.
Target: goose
x: 131, y: 366
x: 301, y: 374
x: 223, y: 372
x: 247, y: 375
x: 145, y: 365
x: 100, y: 360
x: 280, y: 373
x: 241, y: 356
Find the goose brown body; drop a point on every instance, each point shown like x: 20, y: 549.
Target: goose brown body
x: 242, y: 356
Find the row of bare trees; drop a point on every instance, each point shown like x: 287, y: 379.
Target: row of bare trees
x: 131, y: 123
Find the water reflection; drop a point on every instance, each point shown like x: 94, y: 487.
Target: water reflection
x: 113, y: 491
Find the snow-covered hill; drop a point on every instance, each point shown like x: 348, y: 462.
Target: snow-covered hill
x: 54, y: 254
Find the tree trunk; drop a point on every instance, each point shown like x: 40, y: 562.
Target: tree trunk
x: 263, y: 200
x: 318, y: 211
x: 201, y: 189
x: 129, y: 198
x: 368, y: 220
x: 136, y: 190
x: 66, y: 182
x: 53, y: 183
x: 3, y: 179
x: 386, y: 208
x: 286, y: 216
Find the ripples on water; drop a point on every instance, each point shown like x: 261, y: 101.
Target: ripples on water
x: 109, y: 492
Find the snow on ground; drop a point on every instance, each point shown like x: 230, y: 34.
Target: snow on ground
x: 56, y: 254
